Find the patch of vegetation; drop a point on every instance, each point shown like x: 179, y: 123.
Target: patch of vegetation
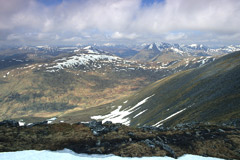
x: 3, y: 82
x: 14, y: 61
x: 59, y: 81
x: 101, y: 83
x: 23, y: 97
x: 49, y: 107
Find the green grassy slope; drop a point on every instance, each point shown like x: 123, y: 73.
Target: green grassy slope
x: 208, y: 94
x: 145, y: 55
x: 157, y: 56
x: 30, y: 92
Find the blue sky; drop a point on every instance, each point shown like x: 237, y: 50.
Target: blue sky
x: 56, y: 2
x: 70, y: 22
x: 150, y: 2
x: 50, y: 2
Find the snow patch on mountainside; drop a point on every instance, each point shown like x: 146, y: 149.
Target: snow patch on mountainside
x: 151, y: 46
x: 120, y: 116
x: 79, y: 59
x: 90, y: 50
x: 193, y: 45
x: 140, y: 113
x: 88, y: 47
x: 161, y: 122
x: 49, y: 121
x: 21, y: 123
x: 176, y: 50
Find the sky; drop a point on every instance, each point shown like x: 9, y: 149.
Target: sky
x: 71, y: 22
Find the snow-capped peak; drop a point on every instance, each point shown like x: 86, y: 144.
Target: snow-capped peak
x: 91, y: 50
x: 144, y: 44
x: 193, y: 45
x: 88, y: 47
x: 151, y: 46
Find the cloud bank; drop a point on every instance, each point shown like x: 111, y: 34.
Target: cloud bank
x: 86, y: 21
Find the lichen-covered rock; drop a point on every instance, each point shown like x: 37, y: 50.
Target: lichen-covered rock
x: 108, y: 138
x: 10, y: 123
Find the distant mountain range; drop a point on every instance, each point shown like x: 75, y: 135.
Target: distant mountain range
x: 126, y: 51
x: 168, y: 52
x: 192, y: 48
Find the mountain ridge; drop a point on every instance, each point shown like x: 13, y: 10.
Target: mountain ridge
x: 195, y: 95
x: 166, y: 52
x: 77, y: 81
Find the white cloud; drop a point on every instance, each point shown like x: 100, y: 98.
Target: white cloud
x: 13, y: 37
x: 121, y: 19
x: 57, y: 37
x: 72, y: 39
x: 204, y: 15
x: 118, y: 35
x: 175, y: 36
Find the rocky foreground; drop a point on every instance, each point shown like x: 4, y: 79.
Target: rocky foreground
x: 97, y: 138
